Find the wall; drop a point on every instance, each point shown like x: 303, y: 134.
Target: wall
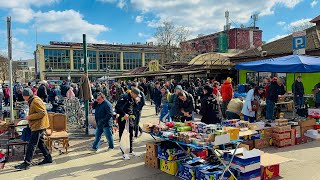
x: 239, y: 38
x: 202, y: 44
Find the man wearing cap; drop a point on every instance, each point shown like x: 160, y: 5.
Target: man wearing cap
x: 127, y: 108
x: 141, y: 102
x: 38, y: 122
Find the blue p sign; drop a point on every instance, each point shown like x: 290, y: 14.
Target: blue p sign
x: 299, y: 42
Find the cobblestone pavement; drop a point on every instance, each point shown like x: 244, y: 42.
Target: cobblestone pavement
x: 80, y: 163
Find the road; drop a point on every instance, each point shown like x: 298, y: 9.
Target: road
x: 80, y: 163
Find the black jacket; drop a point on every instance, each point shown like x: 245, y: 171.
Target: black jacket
x: 64, y: 89
x: 126, y: 105
x: 209, y: 109
x: 42, y: 92
x: 188, y: 105
x: 103, y: 114
x: 274, y: 91
x: 297, y: 88
x: 157, y: 96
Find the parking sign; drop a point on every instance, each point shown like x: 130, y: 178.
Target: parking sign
x: 299, y: 42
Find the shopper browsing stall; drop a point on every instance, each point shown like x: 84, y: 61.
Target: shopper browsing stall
x: 298, y: 91
x: 175, y: 112
x: 276, y: 88
x: 209, y: 107
x: 234, y: 108
x: 185, y: 103
x: 38, y: 122
x: 127, y: 109
x: 251, y: 104
x: 227, y: 94
x: 103, y: 115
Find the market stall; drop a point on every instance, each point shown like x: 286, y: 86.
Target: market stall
x: 194, y: 150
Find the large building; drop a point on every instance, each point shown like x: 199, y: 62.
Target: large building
x: 60, y: 60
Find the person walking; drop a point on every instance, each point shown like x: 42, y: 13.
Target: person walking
x: 104, y: 120
x: 164, y: 113
x: 157, y: 97
x: 38, y: 123
x: 141, y: 101
x: 127, y: 108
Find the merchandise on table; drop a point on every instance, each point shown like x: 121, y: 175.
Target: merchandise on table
x: 281, y: 122
x: 250, y: 144
x: 307, y: 123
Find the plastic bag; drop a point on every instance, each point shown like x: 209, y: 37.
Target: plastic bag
x: 125, y: 139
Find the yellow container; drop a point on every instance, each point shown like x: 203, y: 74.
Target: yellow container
x: 170, y: 167
x: 234, y: 133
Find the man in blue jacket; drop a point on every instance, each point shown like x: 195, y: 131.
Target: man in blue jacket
x: 103, y: 116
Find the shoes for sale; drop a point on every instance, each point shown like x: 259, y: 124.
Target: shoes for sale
x: 126, y: 157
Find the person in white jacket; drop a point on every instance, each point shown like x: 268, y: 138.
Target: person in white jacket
x: 253, y: 95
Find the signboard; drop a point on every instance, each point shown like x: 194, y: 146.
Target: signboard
x: 154, y: 65
x: 299, y: 42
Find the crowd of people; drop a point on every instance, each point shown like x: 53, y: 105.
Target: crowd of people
x: 173, y: 101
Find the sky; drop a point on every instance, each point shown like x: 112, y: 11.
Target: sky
x: 127, y: 21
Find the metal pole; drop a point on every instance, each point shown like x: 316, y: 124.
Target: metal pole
x: 86, y: 102
x: 10, y: 66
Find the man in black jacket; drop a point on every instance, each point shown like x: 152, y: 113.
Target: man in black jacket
x: 298, y: 91
x: 276, y: 88
x: 127, y: 108
x: 140, y: 102
x: 43, y: 92
x: 103, y: 115
x: 64, y: 88
x: 185, y: 103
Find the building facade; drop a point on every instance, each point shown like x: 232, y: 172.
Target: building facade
x: 60, y: 60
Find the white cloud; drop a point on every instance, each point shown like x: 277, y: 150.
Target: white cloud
x: 139, y: 19
x: 277, y: 37
x: 314, y: 3
x: 281, y: 23
x: 140, y: 34
x: 152, y: 39
x: 108, y: 1
x: 206, y: 16
x: 120, y: 3
x: 299, y: 25
x: 22, y: 15
x: 70, y: 24
x: 21, y: 31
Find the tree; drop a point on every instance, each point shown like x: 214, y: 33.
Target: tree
x: 4, y: 68
x: 301, y: 26
x: 169, y: 38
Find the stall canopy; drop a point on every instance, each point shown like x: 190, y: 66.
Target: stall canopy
x: 288, y: 64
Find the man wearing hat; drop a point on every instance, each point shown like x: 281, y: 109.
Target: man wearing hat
x: 38, y: 122
x: 127, y: 108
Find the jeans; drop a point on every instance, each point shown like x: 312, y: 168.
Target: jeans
x: 157, y: 106
x: 122, y: 126
x: 250, y: 119
x: 299, y: 100
x: 224, y: 108
x: 36, y: 140
x: 137, y: 128
x: 232, y: 115
x: 270, y: 110
x: 108, y: 133
x: 165, y: 114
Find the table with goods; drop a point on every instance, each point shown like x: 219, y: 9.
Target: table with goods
x: 230, y: 150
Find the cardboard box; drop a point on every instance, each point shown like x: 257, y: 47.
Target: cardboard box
x: 213, y: 172
x: 249, y: 145
x: 234, y: 133
x: 298, y: 131
x: 170, y: 167
x: 282, y: 143
x: 190, y: 169
x: 307, y: 123
x: 293, y: 137
x: 268, y: 132
x: 251, y: 175
x: 262, y: 143
x: 280, y: 136
x: 152, y: 149
x: 305, y: 129
x: 270, y: 172
x: 151, y: 161
x: 281, y: 122
x: 278, y: 129
x: 244, y: 160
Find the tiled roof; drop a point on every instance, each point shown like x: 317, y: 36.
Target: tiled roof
x: 282, y: 46
x: 316, y: 19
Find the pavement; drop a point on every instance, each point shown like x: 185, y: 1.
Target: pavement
x: 80, y: 163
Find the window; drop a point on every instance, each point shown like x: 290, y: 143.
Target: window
x: 57, y: 58
x: 78, y: 55
x: 111, y: 59
x: 132, y: 60
x: 252, y: 78
x: 151, y: 56
x: 262, y: 76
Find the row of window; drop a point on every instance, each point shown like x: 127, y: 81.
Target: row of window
x: 60, y: 59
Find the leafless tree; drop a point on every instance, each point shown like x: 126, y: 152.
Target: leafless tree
x: 169, y: 37
x: 303, y: 26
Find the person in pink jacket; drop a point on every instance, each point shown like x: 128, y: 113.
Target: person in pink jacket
x: 70, y: 94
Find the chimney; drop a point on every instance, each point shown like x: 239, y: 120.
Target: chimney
x: 316, y: 20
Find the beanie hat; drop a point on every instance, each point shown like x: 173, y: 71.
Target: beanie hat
x: 178, y: 87
x: 27, y: 92
x: 208, y: 88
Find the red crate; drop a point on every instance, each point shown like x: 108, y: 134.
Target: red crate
x: 270, y: 172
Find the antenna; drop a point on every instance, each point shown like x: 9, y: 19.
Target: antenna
x: 255, y: 18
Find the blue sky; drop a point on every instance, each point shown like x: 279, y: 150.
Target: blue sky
x: 127, y: 21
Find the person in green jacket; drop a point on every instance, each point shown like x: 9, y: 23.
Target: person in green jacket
x: 175, y: 113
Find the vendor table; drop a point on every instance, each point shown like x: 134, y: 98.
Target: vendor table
x: 215, y: 151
